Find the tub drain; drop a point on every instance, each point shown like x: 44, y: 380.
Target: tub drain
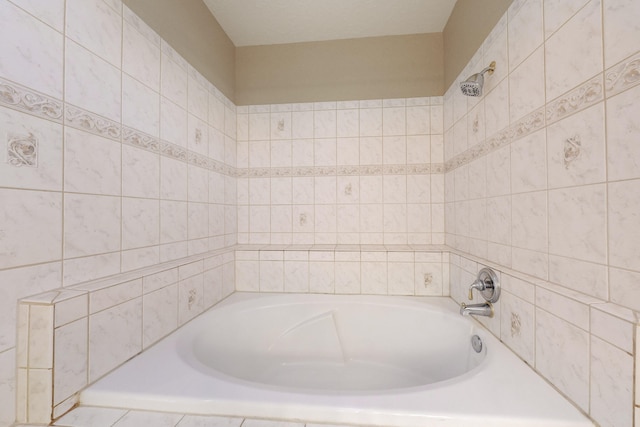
x: 476, y: 343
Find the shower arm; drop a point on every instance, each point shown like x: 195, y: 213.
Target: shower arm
x: 490, y: 69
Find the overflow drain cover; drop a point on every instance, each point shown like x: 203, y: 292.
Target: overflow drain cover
x: 476, y: 343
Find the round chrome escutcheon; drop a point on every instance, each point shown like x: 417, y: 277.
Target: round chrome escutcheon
x: 476, y: 343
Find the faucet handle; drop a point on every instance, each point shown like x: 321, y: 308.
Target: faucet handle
x: 488, y: 285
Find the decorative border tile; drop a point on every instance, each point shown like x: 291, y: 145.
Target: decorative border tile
x: 139, y: 139
x: 174, y: 151
x: 623, y: 76
x: 18, y: 97
x: 366, y: 170
x: 91, y: 122
x: 575, y: 100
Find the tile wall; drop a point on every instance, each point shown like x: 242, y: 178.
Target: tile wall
x: 115, y: 155
x: 359, y: 172
x: 543, y: 182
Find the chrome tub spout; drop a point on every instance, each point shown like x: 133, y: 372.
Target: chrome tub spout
x: 483, y: 309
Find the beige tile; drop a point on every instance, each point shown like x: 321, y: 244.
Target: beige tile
x: 624, y: 227
x: 623, y: 127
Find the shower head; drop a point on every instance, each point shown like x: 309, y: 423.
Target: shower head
x: 473, y: 85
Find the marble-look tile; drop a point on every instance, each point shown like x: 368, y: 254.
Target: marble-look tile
x: 271, y: 276
x: 92, y: 83
x: 499, y: 172
x: 266, y: 423
x: 97, y: 27
x: 401, y: 278
x: 623, y: 127
x: 562, y: 356
x: 394, y: 121
x: 7, y: 387
x: 321, y: 277
x: 582, y: 276
x: 518, y: 326
x: 140, y: 106
x: 35, y: 50
x: 611, y: 385
x: 525, y: 32
x: 92, y: 164
x: 574, y: 53
x: 499, y: 219
x: 32, y: 149
x: 140, y: 173
x: 173, y: 122
x: 209, y: 421
x: 50, y: 12
x: 347, y: 277
x: 198, y: 184
x: 529, y: 221
x: 70, y: 370
x: 621, y: 30
x: 173, y: 179
x: 558, y: 12
x: 83, y: 269
x: 173, y: 81
x: 577, y: 223
x: 40, y: 390
x: 324, y: 152
x: 88, y: 416
x: 624, y: 288
x: 496, y: 108
x: 114, y: 336
x: 370, y: 121
x: 156, y: 419
x: 198, y: 135
x: 140, y: 222
x: 324, y: 124
x: 197, y: 95
x: 613, y: 324
x: 71, y: 309
x: 530, y: 262
x: 190, y: 298
x: 624, y: 229
x: 91, y: 224
x: 31, y: 231
x: 370, y: 151
x: 526, y: 85
x: 529, y: 163
x: 296, y: 276
x: 576, y: 149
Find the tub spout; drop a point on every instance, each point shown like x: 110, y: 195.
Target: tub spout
x: 483, y: 309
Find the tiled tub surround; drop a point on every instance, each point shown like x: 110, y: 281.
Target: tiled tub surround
x: 543, y: 178
x: 357, y: 172
x: 70, y: 337
x: 115, y: 155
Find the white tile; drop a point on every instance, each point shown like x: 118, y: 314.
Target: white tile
x: 564, y: 307
x: 140, y: 173
x: 92, y: 83
x: 606, y: 324
x: 574, y: 53
x: 140, y: 106
x: 321, y: 277
x: 91, y: 224
x: 173, y: 180
x: 173, y: 221
x: 190, y: 298
x: 7, y: 387
x: 92, y: 164
x: 562, y: 356
x: 525, y: 32
x: 529, y: 163
x: 32, y: 149
x: 624, y: 227
x: 101, y: 299
x: 558, y: 12
x: 529, y: 226
x: 496, y: 108
x: 88, y: 416
x: 621, y: 30
x: 198, y: 184
x: 611, y: 385
x: 83, y: 269
x: 576, y: 149
x: 97, y: 27
x: 156, y: 419
x: 582, y: 276
x: 623, y: 127
x: 35, y: 50
x: 31, y: 227
x: 209, y: 421
x: 114, y: 336
x: 198, y: 135
x: 624, y: 288
x: 40, y: 395
x: 70, y: 370
x: 51, y: 12
x: 173, y: 81
x: 526, y: 85
x: 173, y: 122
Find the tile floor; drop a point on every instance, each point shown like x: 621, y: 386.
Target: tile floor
x: 86, y: 416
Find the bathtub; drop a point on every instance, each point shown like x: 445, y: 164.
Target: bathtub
x: 365, y: 360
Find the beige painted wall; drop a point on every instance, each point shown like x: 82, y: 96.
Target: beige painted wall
x: 367, y: 68
x: 190, y: 28
x: 468, y: 26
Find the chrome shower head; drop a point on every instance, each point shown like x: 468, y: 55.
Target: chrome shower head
x: 473, y: 85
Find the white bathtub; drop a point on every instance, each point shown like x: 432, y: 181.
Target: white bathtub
x: 377, y: 361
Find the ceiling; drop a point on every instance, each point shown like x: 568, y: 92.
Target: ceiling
x: 264, y: 22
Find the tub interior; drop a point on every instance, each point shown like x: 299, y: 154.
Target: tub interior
x: 329, y: 346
